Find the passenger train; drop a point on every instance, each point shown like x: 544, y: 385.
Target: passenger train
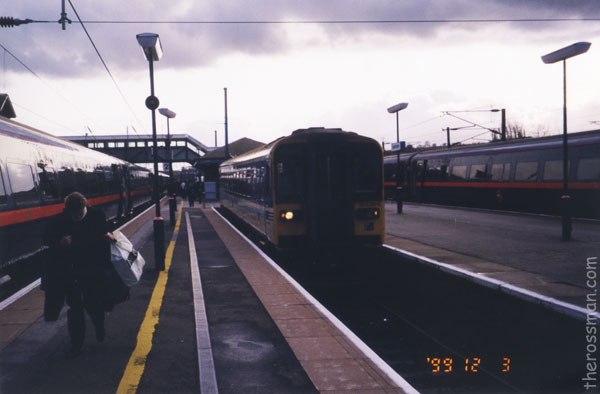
x: 37, y: 171
x: 317, y: 187
x: 520, y: 175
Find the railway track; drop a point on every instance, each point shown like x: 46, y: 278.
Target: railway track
x: 441, y: 333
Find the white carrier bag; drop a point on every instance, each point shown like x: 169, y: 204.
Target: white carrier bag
x: 127, y: 261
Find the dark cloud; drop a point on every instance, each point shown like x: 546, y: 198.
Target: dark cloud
x: 554, y: 8
x: 49, y: 50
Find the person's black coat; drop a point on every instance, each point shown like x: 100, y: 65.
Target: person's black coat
x: 86, y: 260
x: 89, y: 252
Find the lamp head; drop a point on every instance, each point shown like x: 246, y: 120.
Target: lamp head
x: 150, y: 43
x: 564, y: 53
x: 397, y: 107
x: 167, y: 112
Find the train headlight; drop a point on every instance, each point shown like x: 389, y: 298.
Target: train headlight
x: 288, y: 216
x: 367, y: 213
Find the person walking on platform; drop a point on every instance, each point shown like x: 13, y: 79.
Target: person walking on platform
x: 79, y: 254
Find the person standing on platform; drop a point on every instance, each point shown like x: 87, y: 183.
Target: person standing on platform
x: 79, y: 254
x: 191, y: 191
x: 200, y: 191
x: 183, y: 189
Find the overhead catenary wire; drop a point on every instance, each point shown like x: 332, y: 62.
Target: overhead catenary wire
x: 91, y: 132
x: 22, y: 63
x: 472, y: 137
x: 422, y: 122
x: 334, y: 22
x: 104, y: 64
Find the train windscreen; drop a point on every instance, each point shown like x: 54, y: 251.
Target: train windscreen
x: 366, y: 173
x: 290, y: 183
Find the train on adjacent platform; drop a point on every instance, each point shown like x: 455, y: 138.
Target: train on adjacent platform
x: 37, y: 171
x: 520, y: 175
x: 315, y: 188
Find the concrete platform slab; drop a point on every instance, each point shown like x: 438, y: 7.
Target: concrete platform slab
x: 332, y: 361
x: 520, y: 250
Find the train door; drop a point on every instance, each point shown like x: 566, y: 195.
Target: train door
x: 411, y: 178
x: 329, y: 196
x: 421, y: 170
x: 117, y: 188
x: 127, y: 188
x: 416, y: 180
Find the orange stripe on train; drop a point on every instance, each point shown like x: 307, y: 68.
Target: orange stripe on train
x: 34, y: 213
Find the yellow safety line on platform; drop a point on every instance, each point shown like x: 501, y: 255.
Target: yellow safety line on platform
x: 137, y: 362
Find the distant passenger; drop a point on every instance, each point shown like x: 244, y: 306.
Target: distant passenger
x: 183, y: 186
x: 200, y: 191
x: 79, y: 255
x: 191, y: 192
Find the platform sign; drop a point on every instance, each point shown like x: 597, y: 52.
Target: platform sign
x: 210, y: 190
x: 398, y: 146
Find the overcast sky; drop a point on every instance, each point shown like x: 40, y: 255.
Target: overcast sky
x: 281, y: 77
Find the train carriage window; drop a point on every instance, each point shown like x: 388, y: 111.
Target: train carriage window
x: 22, y: 183
x: 458, y: 173
x: 48, y: 183
x: 479, y: 172
x: 588, y: 169
x: 506, y: 175
x: 437, y: 170
x: 81, y: 181
x: 120, y: 145
x: 111, y: 144
x: 500, y: 172
x: 420, y: 169
x: 96, y: 182
x: 497, y: 170
x: 553, y: 170
x: 140, y: 144
x: 66, y: 178
x: 526, y: 171
x: 131, y: 144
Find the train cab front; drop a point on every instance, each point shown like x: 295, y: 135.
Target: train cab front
x: 329, y: 194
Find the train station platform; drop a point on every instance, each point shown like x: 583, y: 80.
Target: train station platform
x: 518, y: 253
x: 220, y: 318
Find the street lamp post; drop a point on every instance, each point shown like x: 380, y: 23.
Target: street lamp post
x: 395, y: 109
x: 226, y: 128
x: 171, y: 189
x: 562, y: 55
x: 150, y: 43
